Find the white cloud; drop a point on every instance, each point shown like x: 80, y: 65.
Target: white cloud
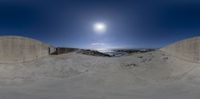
x: 101, y: 46
x: 98, y: 44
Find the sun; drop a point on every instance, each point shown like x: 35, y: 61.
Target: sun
x: 100, y: 28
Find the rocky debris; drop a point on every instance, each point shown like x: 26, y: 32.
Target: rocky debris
x: 165, y: 58
x: 125, y: 52
x: 145, y: 60
x: 129, y: 66
x: 140, y: 56
x: 109, y: 53
x: 129, y: 51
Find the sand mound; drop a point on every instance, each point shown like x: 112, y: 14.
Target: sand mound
x: 82, y: 74
x: 188, y: 49
x: 74, y: 75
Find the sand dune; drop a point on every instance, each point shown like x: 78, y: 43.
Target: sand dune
x: 76, y: 75
x: 188, y: 49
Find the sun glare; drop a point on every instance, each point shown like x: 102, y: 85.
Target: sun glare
x: 100, y: 28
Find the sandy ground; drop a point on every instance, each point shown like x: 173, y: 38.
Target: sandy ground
x: 152, y: 75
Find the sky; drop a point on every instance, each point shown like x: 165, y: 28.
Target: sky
x: 129, y: 23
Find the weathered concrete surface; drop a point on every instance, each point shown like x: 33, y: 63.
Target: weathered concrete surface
x: 20, y: 49
x: 188, y: 49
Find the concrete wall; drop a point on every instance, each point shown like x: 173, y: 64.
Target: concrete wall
x: 20, y: 49
x: 188, y: 49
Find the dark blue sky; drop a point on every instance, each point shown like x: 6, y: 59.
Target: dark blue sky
x: 130, y: 23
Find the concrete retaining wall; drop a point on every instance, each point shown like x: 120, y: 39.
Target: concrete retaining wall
x: 20, y: 49
x: 188, y: 49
